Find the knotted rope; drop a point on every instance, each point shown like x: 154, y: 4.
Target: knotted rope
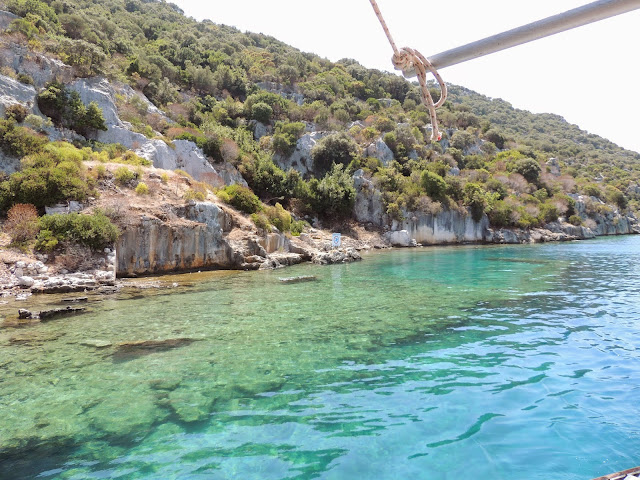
x: 412, y: 62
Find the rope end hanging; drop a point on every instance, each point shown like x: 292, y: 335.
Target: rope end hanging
x: 412, y: 63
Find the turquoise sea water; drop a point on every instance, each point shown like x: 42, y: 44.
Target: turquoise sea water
x: 514, y: 362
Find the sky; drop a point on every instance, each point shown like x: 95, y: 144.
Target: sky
x: 589, y: 75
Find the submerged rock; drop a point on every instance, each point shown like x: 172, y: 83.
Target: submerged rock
x: 145, y: 347
x: 96, y: 343
x: 60, y: 312
x: 190, y: 405
x: 301, y: 278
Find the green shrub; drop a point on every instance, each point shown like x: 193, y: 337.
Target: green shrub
x: 53, y: 175
x: 261, y: 112
x: 575, y: 220
x: 541, y: 194
x: 268, y: 180
x: 462, y: 140
x: 433, y: 184
x: 529, y: 169
x: 124, y: 175
x: 16, y: 112
x: 297, y: 227
x: 286, y: 136
x: 194, y: 195
x: 142, y: 189
x: 498, y: 187
x: 164, y: 178
x: 334, y: 195
x: 66, y: 109
x: 279, y: 217
x: 475, y: 198
x: 19, y: 141
x: 616, y: 197
x: 592, y: 190
x: 261, y: 221
x: 455, y: 188
x: 46, y: 241
x: 337, y: 148
x: 501, y: 214
x: 548, y: 213
x: 25, y: 79
x: 242, y: 198
x: 130, y: 158
x: 95, y: 231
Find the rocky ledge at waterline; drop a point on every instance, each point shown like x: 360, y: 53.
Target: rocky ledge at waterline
x: 207, y: 236
x: 450, y: 226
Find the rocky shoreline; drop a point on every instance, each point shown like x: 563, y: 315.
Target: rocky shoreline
x: 24, y: 278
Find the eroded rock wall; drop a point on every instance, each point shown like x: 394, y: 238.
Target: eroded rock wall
x: 448, y: 226
x: 197, y: 241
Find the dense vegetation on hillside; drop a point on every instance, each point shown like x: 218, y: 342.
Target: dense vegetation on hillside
x: 493, y: 158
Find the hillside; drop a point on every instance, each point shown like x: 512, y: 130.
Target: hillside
x: 137, y: 81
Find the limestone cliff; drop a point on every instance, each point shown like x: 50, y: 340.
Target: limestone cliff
x: 152, y: 246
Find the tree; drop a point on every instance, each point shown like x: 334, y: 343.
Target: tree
x: 261, y: 112
x: 335, y: 194
x: 337, y: 148
x: 93, y: 118
x: 433, y: 184
x: 529, y: 169
x: 462, y: 140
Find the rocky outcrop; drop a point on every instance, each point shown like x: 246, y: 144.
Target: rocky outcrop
x: 300, y: 159
x: 400, y: 238
x: 289, y: 93
x: 39, y: 67
x: 37, y: 277
x: 9, y: 164
x: 601, y: 218
x: 154, y: 246
x: 380, y: 150
x: 182, y: 154
x: 448, y: 226
x: 13, y: 92
x: 369, y: 205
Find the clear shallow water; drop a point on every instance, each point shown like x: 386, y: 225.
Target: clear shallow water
x: 441, y: 363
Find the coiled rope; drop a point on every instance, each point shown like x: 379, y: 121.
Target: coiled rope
x: 412, y: 62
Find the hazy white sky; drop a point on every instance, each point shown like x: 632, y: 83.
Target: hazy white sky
x: 589, y: 75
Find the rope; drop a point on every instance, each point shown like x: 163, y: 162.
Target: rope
x: 412, y: 62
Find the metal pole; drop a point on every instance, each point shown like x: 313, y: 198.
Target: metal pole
x: 577, y: 17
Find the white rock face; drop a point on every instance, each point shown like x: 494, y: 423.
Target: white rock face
x: 26, y: 282
x: 368, y: 206
x: 449, y: 226
x: 12, y: 92
x: 399, y: 238
x: 6, y: 18
x: 39, y: 67
x: 300, y: 159
x: 607, y: 223
x: 9, y: 164
x: 186, y: 155
x: 127, y: 92
x: 259, y: 129
x: 99, y: 90
x: 379, y: 150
